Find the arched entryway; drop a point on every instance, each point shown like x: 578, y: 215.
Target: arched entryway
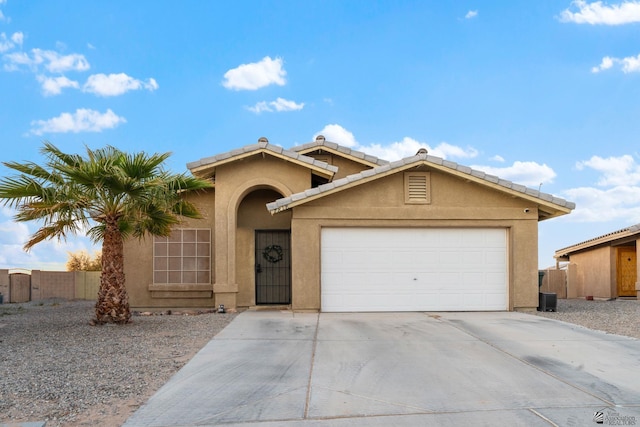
x: 263, y: 267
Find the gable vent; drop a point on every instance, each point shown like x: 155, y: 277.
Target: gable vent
x: 417, y: 188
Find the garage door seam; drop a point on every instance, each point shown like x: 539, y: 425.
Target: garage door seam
x: 313, y: 357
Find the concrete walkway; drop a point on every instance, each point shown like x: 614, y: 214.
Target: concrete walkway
x: 402, y: 369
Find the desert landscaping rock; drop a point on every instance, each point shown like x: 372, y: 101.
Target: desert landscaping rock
x: 619, y: 317
x: 55, y: 367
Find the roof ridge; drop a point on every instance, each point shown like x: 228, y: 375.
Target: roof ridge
x: 378, y: 170
x: 631, y: 229
x: 320, y: 141
x: 262, y: 144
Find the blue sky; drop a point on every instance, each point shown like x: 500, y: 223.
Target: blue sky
x: 543, y: 93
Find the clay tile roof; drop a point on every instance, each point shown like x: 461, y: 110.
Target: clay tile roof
x: 262, y: 146
x: 321, y: 143
x: 605, y: 238
x: 406, y: 163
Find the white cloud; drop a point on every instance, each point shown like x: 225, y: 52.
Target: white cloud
x: 607, y: 62
x: 17, y: 38
x: 471, y: 14
x: 408, y: 147
x: 83, y: 120
x: 395, y: 150
x: 47, y: 255
x: 57, y: 63
x: 8, y: 43
x: 531, y: 174
x: 599, y: 13
x: 630, y: 64
x: 617, y: 197
x: 256, y: 75
x: 621, y: 170
x: 619, y: 203
x: 338, y: 134
x: 260, y: 107
x: 278, y: 105
x: 116, y: 84
x: 497, y: 158
x: 54, y: 85
x: 51, y: 60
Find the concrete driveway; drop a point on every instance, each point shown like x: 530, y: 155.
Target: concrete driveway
x: 402, y: 369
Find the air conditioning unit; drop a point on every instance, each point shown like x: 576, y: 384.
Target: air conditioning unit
x: 547, y: 301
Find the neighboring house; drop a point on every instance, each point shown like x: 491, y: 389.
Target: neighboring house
x: 603, y: 267
x: 323, y: 227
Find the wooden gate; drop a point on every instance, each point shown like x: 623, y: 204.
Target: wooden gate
x: 627, y: 272
x: 273, y: 267
x: 19, y: 287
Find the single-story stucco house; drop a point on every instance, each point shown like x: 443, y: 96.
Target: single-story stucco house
x: 603, y: 267
x: 323, y: 227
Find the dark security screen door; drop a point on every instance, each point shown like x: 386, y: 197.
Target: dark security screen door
x: 273, y: 267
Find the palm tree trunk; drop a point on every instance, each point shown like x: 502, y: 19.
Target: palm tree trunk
x: 113, y: 302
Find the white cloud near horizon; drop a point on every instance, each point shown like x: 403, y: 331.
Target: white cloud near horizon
x: 599, y: 13
x: 616, y: 196
x: 614, y: 171
x: 279, y: 105
x: 619, y: 203
x: 116, y: 84
x: 629, y: 64
x: 256, y: 75
x: 471, y: 14
x: 47, y: 255
x: 83, y: 120
x: 54, y: 85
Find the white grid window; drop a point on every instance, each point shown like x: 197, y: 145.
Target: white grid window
x: 183, y: 257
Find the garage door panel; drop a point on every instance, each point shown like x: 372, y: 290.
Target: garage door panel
x: 395, y: 269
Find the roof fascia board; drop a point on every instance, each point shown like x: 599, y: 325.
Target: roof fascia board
x: 496, y: 186
x: 466, y: 176
x: 597, y: 241
x: 322, y: 194
x: 339, y: 153
x: 326, y: 172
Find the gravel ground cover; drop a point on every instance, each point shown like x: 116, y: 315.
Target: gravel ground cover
x: 620, y: 317
x: 57, y: 368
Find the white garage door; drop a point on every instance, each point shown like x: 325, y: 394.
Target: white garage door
x: 408, y: 269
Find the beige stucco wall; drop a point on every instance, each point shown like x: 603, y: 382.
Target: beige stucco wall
x: 252, y: 216
x: 236, y: 208
x: 595, y: 274
x: 241, y: 192
x: 454, y: 203
x: 138, y: 267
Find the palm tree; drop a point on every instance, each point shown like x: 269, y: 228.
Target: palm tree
x: 112, y: 194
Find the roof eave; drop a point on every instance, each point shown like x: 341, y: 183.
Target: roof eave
x: 546, y: 209
x: 208, y: 170
x: 353, y: 158
x: 602, y: 240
